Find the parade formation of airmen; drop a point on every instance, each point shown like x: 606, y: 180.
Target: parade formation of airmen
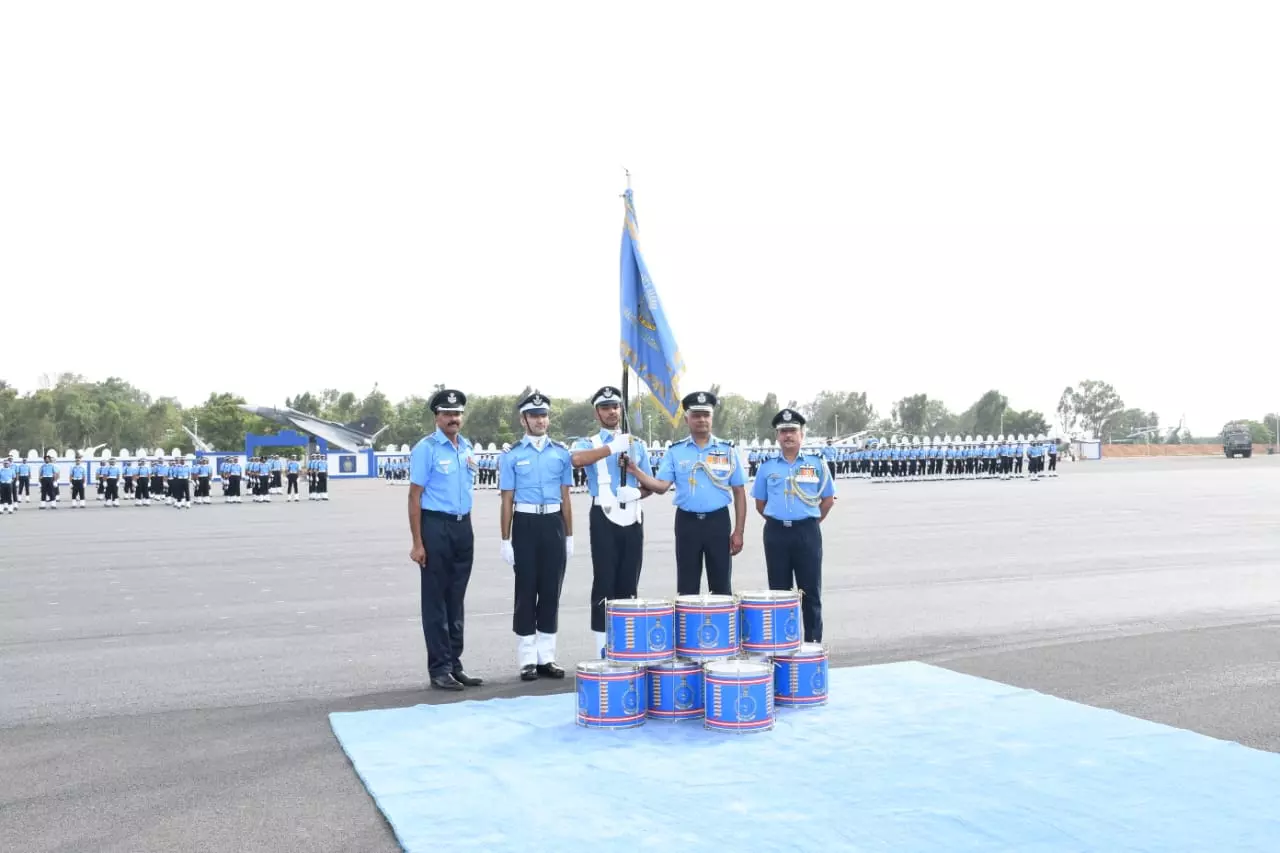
x: 178, y: 481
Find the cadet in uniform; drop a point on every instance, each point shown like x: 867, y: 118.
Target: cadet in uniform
x: 48, y: 483
x: 707, y: 477
x: 536, y: 527
x: 292, y: 467
x: 441, y: 483
x: 615, y: 520
x: 78, y: 473
x: 180, y: 476
x: 794, y: 497
x: 130, y: 472
x: 234, y: 471
x: 8, y: 476
x: 23, y: 492
x: 142, y: 493
x: 203, y: 471
x: 111, y: 497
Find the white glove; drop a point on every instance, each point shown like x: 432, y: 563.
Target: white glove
x: 620, y: 444
x: 508, y: 553
x: 628, y: 494
x: 568, y: 548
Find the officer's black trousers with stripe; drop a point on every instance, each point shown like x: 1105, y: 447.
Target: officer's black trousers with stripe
x: 202, y: 487
x: 322, y: 482
x: 113, y: 489
x: 538, y: 542
x: 182, y: 490
x: 143, y: 492
x: 128, y: 485
x: 617, y: 555
x: 793, y: 559
x: 700, y: 539
x: 6, y: 494
x: 24, y: 485
x: 77, y: 490
x: 450, y: 546
x: 47, y: 490
x: 233, y: 485
x: 293, y: 484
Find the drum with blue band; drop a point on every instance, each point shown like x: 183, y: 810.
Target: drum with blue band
x: 640, y: 630
x: 706, y: 626
x: 675, y: 691
x: 738, y: 695
x: 770, y: 621
x: 611, y: 695
x: 801, y: 678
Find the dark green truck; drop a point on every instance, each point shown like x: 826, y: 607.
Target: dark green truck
x: 1237, y: 440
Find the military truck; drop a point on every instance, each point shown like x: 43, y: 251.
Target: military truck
x: 1237, y: 440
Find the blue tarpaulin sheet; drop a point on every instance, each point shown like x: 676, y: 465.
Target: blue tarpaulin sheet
x: 905, y: 757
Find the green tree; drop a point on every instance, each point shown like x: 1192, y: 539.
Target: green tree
x: 1089, y: 405
x: 835, y: 413
x: 985, y: 417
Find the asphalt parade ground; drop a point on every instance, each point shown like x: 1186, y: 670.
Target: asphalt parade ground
x: 166, y: 676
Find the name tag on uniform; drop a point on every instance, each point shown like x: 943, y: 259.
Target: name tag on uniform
x: 522, y: 462
x: 444, y: 465
x: 807, y: 474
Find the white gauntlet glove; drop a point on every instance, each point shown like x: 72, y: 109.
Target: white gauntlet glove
x: 508, y: 553
x: 620, y: 444
x: 628, y: 494
x: 568, y: 548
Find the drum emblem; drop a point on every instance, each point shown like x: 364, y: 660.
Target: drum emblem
x: 818, y: 683
x: 792, y: 627
x: 746, y: 708
x: 684, y: 696
x: 657, y: 637
x: 582, y: 698
x: 708, y: 635
x: 630, y: 702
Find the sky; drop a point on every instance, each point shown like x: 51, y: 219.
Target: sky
x: 271, y: 197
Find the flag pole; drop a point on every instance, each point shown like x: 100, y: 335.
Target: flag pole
x: 626, y: 374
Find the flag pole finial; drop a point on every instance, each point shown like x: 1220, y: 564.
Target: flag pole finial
x: 627, y: 172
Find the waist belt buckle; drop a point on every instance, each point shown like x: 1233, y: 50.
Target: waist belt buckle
x: 786, y: 524
x: 457, y: 518
x: 542, y: 509
x: 702, y: 516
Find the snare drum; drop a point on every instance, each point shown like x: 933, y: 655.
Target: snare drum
x: 770, y: 621
x: 640, y: 630
x: 675, y: 691
x: 738, y: 695
x: 801, y: 678
x: 706, y: 626
x: 611, y: 695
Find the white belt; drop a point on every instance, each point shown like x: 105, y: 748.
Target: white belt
x: 538, y: 509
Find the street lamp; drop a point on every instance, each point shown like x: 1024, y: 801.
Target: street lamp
x: 649, y: 418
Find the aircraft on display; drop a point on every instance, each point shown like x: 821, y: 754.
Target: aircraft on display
x: 357, y: 435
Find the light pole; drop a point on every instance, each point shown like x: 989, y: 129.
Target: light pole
x: 649, y: 418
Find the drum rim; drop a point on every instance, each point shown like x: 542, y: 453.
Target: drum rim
x: 764, y: 667
x: 718, y: 599
x: 670, y: 665
x: 769, y: 595
x: 598, y: 667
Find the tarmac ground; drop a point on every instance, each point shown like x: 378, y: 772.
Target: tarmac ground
x: 168, y: 674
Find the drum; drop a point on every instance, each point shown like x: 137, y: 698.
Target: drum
x: 675, y: 691
x: 738, y: 695
x: 801, y: 678
x: 640, y: 630
x: 611, y: 695
x: 770, y: 621
x: 706, y: 626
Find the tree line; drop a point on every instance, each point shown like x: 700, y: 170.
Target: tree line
x: 70, y: 411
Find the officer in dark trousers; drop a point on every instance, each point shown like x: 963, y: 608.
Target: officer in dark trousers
x: 78, y: 473
x: 440, y: 492
x: 8, y: 476
x: 48, y: 483
x: 615, y: 521
x: 708, y: 477
x: 536, y: 528
x: 794, y: 493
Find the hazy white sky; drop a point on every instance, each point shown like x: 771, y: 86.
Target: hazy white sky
x: 896, y: 197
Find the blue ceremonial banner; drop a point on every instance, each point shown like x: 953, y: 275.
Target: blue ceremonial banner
x: 648, y: 345
x: 347, y: 464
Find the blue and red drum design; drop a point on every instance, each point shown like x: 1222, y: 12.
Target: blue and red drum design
x: 801, y: 678
x: 738, y: 695
x: 770, y: 621
x: 640, y: 630
x: 706, y: 626
x: 675, y: 691
x: 611, y: 695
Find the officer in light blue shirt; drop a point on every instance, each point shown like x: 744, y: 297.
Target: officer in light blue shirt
x: 23, y: 494
x: 235, y: 475
x: 615, y: 521
x: 442, y: 476
x: 536, y: 528
x: 49, y: 475
x: 794, y: 493
x: 79, y: 472
x: 130, y: 477
x: 180, y: 475
x: 202, y: 471
x: 142, y: 491
x: 707, y: 477
x: 291, y: 469
x: 8, y: 485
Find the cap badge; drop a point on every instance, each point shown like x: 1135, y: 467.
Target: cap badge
x: 608, y: 392
x: 702, y: 398
x: 452, y: 398
x: 786, y: 416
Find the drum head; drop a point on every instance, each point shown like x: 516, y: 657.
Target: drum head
x: 705, y: 600
x: 737, y: 668
x: 770, y: 595
x: 608, y: 667
x: 671, y: 667
x: 637, y: 604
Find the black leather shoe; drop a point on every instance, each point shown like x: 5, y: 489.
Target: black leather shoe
x: 445, y: 682
x: 550, y: 670
x: 467, y: 680
x: 529, y: 673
